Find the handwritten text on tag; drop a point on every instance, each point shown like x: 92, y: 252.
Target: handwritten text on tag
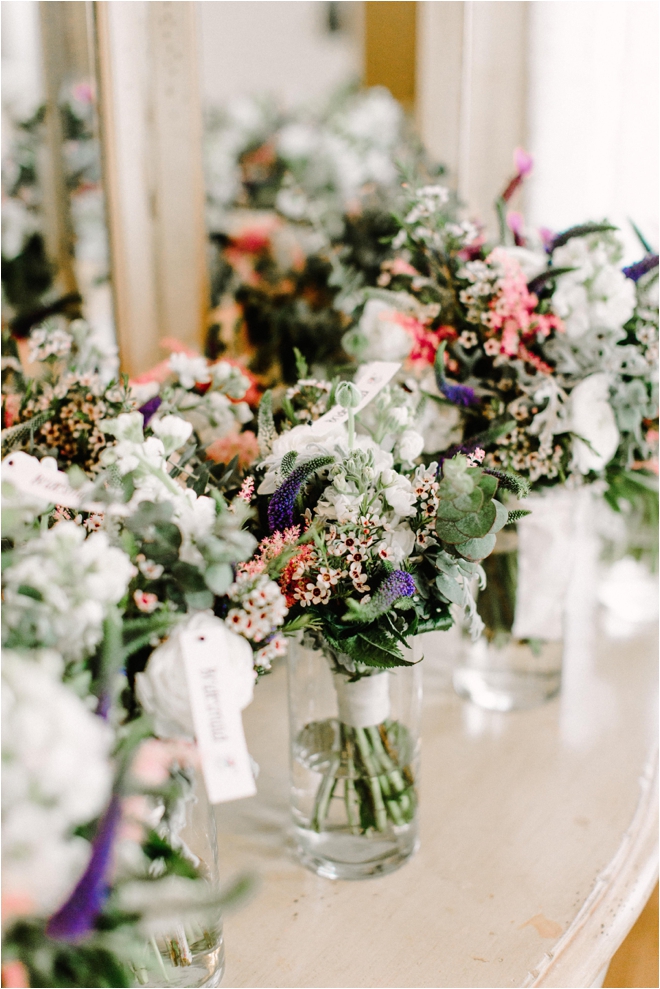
x: 217, y: 715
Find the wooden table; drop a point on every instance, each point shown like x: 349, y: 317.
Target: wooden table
x: 538, y: 840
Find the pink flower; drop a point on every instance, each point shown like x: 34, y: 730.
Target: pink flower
x: 15, y: 975
x: 401, y: 267
x: 145, y: 601
x: 247, y: 490
x: 225, y: 448
x: 12, y: 405
x: 523, y: 162
x: 155, y: 756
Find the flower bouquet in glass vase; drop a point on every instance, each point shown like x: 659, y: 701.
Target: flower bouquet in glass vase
x: 544, y: 350
x: 355, y: 540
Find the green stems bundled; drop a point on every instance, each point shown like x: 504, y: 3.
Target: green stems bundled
x: 377, y: 789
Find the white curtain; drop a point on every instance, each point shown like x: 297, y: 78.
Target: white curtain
x: 593, y: 114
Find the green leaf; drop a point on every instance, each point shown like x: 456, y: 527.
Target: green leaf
x: 449, y: 588
x: 199, y: 600
x: 266, y: 431
x: 469, y: 502
x: 476, y: 525
x: 190, y: 578
x: 488, y: 484
x: 302, y: 369
x: 218, y: 578
x: 448, y: 531
x: 477, y: 549
x: 501, y: 518
x: 30, y: 592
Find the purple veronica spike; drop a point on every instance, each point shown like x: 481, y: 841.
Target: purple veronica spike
x: 150, y: 408
x: 398, y: 584
x: 458, y: 394
x: 76, y: 918
x: 639, y: 268
x: 280, y: 509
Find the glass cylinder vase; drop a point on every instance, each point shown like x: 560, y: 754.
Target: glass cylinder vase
x: 354, y: 765
x: 189, y: 953
x: 517, y: 660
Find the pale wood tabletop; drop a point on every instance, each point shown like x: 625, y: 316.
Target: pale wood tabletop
x: 538, y: 840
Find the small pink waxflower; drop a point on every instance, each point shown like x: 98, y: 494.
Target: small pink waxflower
x: 146, y: 601
x: 247, y: 490
x: 523, y: 162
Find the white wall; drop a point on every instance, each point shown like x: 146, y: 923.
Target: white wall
x: 593, y: 114
x: 283, y: 47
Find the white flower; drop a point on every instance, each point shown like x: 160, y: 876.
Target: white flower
x: 162, y: 688
x: 411, y: 444
x: 126, y: 427
x: 596, y: 294
x: 401, y: 540
x: 173, y: 431
x: 592, y: 417
x: 382, y: 338
x: 190, y: 370
x: 49, y: 341
x: 307, y: 442
x: 56, y: 774
x: 532, y: 263
x: 398, y: 492
x: 75, y: 579
x: 195, y: 516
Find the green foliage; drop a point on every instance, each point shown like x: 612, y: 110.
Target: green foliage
x: 468, y: 515
x: 266, y: 431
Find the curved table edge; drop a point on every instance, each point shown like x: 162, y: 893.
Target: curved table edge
x: 614, y: 904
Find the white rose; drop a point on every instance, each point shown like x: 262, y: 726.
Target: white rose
x: 592, y: 417
x: 411, y: 445
x: 162, y: 688
x: 385, y: 338
x: 173, y: 431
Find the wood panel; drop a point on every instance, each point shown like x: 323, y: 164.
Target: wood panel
x: 636, y: 962
x: 390, y: 41
x: 472, y: 92
x: 152, y: 147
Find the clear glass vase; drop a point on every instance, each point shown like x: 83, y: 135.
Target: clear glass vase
x: 517, y: 661
x: 192, y: 953
x: 354, y: 765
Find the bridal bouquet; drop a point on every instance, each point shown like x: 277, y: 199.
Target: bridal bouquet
x: 289, y: 192
x: 544, y: 350
x: 541, y: 351
x: 377, y: 549
x: 59, y: 411
x: 115, y: 880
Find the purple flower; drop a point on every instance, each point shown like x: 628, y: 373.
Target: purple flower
x: 639, y: 268
x: 398, y: 584
x: 77, y: 917
x: 150, y: 408
x: 280, y: 509
x: 458, y: 394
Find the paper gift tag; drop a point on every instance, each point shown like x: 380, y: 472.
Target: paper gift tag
x: 214, y: 700
x: 371, y: 378
x: 45, y: 482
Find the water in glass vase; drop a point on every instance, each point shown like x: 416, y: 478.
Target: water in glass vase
x: 354, y: 800
x: 192, y: 955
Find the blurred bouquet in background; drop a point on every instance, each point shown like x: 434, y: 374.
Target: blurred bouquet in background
x: 288, y: 194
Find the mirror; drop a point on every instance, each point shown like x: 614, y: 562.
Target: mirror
x: 55, y: 255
